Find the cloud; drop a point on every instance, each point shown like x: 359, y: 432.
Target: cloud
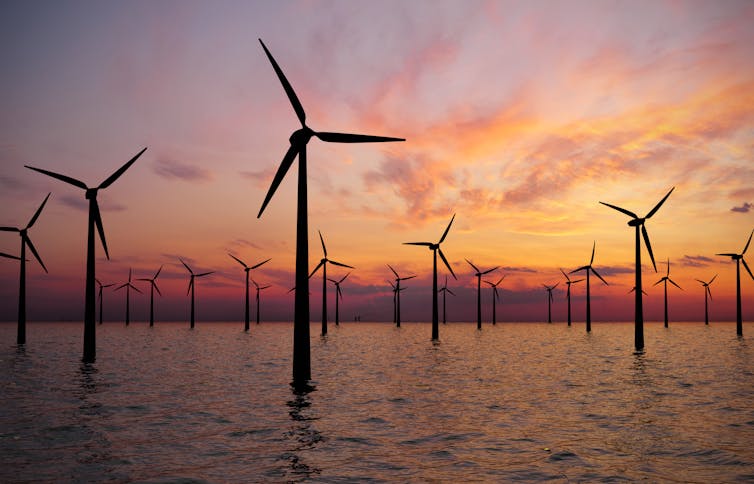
x: 173, y: 170
x: 695, y: 261
x: 745, y: 208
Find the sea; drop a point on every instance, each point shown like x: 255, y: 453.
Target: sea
x: 514, y: 402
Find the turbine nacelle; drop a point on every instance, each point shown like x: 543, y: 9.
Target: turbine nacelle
x: 636, y: 222
x: 91, y: 193
x: 301, y: 137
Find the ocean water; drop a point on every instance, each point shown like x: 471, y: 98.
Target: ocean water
x: 512, y: 402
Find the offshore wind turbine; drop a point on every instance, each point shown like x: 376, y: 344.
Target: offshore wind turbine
x: 397, y: 289
x: 568, y: 292
x: 152, y: 287
x: 435, y: 248
x: 262, y: 288
x: 247, y: 269
x: 665, y: 280
x: 90, y: 330
x: 706, y: 292
x: 25, y: 240
x: 588, y: 268
x: 495, y: 297
x: 479, y: 275
x: 299, y: 140
x: 549, y: 300
x: 191, y: 287
x: 444, y: 289
x: 128, y: 287
x: 338, y: 294
x: 638, y: 223
x: 100, y: 297
x: 323, y: 264
x: 740, y: 258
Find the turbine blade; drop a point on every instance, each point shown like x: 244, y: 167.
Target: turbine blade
x: 579, y: 269
x: 445, y: 261
x: 451, y: 292
x: 261, y: 263
x: 676, y: 285
x: 9, y: 229
x: 205, y: 274
x: 488, y: 282
x: 157, y: 273
x: 407, y: 278
x: 497, y: 295
x: 668, y: 273
x: 728, y: 254
x: 324, y: 249
x: 659, y: 204
x: 287, y: 86
x: 653, y: 285
x: 472, y: 265
x: 191, y: 283
x: 742, y: 253
x: 143, y: 279
x: 339, y: 264
x: 601, y: 279
x: 134, y: 288
x: 396, y: 274
x: 577, y: 281
x: 354, y: 138
x: 121, y: 170
x: 339, y: 292
x: 120, y: 287
x: 709, y: 292
x: 594, y: 246
x: 239, y: 261
x: 490, y: 270
x: 290, y: 155
x: 747, y: 267
x: 564, y: 274
x: 427, y: 244
x: 64, y: 178
x: 8, y: 256
x: 156, y: 288
x: 700, y: 281
x: 186, y: 266
x: 264, y: 287
x: 39, y: 210
x: 710, y: 282
x: 447, y: 229
x: 649, y: 246
x: 344, y: 278
x: 257, y: 285
x: 316, y: 268
x: 622, y: 210
x: 100, y: 228
x: 34, y: 251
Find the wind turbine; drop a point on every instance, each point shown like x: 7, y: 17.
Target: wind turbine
x: 397, y: 289
x: 153, y: 286
x: 435, y: 248
x: 665, y: 280
x: 128, y: 287
x: 444, y: 289
x: 479, y: 275
x: 100, y: 297
x: 25, y: 240
x: 495, y: 297
x: 706, y: 292
x: 638, y: 222
x: 258, y: 290
x: 740, y: 258
x: 588, y: 268
x: 191, y: 287
x: 323, y: 264
x: 90, y: 330
x: 247, y: 269
x: 299, y: 140
x: 568, y: 292
x: 549, y: 300
x: 338, y: 294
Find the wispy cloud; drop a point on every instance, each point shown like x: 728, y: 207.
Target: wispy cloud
x: 176, y: 170
x: 695, y: 261
x: 744, y: 208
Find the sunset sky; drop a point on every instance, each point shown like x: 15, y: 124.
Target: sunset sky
x: 519, y: 117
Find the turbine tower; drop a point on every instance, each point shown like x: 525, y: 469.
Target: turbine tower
x: 90, y: 330
x: 299, y: 140
x: 128, y: 287
x: 247, y: 269
x: 588, y: 268
x: 435, y: 248
x: 323, y: 264
x: 191, y: 287
x: 152, y: 287
x: 665, y: 280
x: 740, y: 258
x: 479, y: 275
x: 638, y: 223
x: 338, y: 294
x: 706, y: 292
x: 568, y: 293
x: 25, y: 240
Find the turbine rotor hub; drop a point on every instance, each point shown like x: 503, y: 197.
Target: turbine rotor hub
x: 301, y: 136
x: 434, y: 246
x: 91, y: 193
x: 636, y: 222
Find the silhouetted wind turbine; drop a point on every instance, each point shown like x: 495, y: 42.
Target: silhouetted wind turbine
x: 128, y: 287
x: 740, y: 258
x: 479, y: 275
x: 338, y: 294
x: 247, y: 269
x: 638, y: 222
x: 435, y: 248
x: 152, y: 287
x: 568, y: 292
x: 299, y: 140
x: 549, y: 300
x: 667, y: 279
x: 397, y: 288
x: 444, y: 289
x: 706, y: 292
x: 25, y: 240
x: 588, y: 268
x: 191, y: 287
x: 100, y: 297
x: 495, y: 297
x: 323, y: 264
x: 257, y: 298
x: 90, y: 330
